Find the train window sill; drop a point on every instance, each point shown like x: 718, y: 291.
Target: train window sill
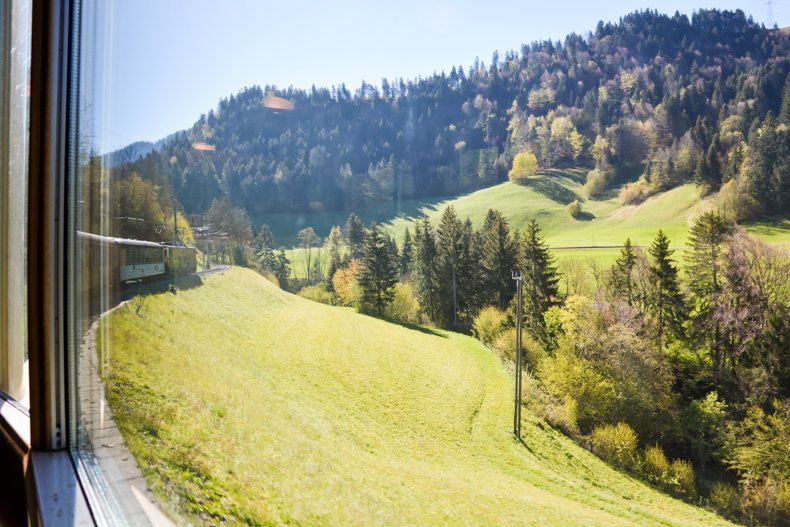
x: 15, y: 423
x: 57, y: 498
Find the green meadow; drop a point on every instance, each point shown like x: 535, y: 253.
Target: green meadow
x: 244, y: 404
x: 604, y: 223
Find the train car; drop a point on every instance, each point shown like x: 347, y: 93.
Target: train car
x: 180, y: 261
x: 112, y: 265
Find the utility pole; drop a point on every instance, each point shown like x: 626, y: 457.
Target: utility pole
x: 519, y: 278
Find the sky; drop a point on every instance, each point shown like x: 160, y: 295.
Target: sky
x: 158, y: 64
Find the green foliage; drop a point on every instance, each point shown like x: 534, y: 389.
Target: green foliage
x: 346, y: 285
x: 488, y: 324
x: 404, y: 305
x: 616, y: 444
x: 538, y: 268
x: 725, y: 498
x: 597, y: 181
x: 655, y: 465
x: 705, y: 428
x: 666, y: 302
x: 317, y: 293
x: 378, y: 271
x: 682, y: 480
x: 525, y: 165
x: 575, y: 209
x: 497, y: 259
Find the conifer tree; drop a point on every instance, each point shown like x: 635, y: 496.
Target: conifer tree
x: 406, y: 253
x: 355, y: 232
x: 623, y: 273
x: 497, y: 260
x: 378, y: 271
x: 666, y: 301
x: 423, y: 267
x: 449, y: 246
x: 540, y: 279
x: 707, y: 237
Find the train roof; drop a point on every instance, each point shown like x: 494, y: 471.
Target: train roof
x: 117, y: 241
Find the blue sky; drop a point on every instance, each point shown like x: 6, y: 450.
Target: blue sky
x: 171, y: 60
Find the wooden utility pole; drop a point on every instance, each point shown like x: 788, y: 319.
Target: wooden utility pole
x: 519, y: 278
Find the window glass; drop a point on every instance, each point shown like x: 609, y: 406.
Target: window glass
x: 14, y: 110
x: 326, y: 267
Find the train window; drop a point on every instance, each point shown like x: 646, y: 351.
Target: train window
x: 14, y: 112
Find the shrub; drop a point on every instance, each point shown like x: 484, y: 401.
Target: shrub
x: 346, y: 285
x: 404, y: 305
x: 488, y: 324
x: 682, y: 481
x: 615, y: 444
x: 635, y: 193
x: 768, y: 502
x: 655, y: 465
x: 562, y: 415
x: 725, y: 499
x: 525, y: 165
x: 505, y: 346
x: 575, y: 209
x: 596, y: 183
x: 317, y: 293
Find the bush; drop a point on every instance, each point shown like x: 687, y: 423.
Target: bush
x: 655, y: 465
x: 575, y: 209
x: 768, y: 502
x: 404, y: 305
x: 562, y: 415
x: 488, y: 324
x: 615, y: 444
x: 525, y: 165
x: 682, y: 481
x: 596, y: 183
x: 346, y: 285
x: 635, y: 193
x: 725, y: 499
x: 505, y: 346
x: 317, y: 293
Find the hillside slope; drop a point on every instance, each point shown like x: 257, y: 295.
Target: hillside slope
x: 246, y: 404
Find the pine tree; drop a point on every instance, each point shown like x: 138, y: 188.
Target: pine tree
x: 540, y: 279
x: 707, y: 237
x: 332, y: 246
x: 355, y: 232
x: 666, y: 301
x: 378, y: 271
x: 470, y: 288
x: 423, y: 267
x: 497, y: 260
x: 406, y: 253
x: 708, y: 173
x: 623, y: 273
x: 448, y: 254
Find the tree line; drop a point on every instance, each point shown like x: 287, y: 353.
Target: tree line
x: 652, y: 100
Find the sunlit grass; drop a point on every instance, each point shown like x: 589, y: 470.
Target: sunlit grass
x: 245, y: 404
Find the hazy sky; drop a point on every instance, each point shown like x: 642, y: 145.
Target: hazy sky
x: 171, y: 60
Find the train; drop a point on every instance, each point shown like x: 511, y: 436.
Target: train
x: 114, y: 268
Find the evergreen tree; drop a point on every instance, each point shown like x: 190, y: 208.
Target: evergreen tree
x: 263, y: 245
x: 707, y: 237
x: 708, y: 172
x: 540, y: 279
x: 332, y: 246
x: 666, y: 301
x: 355, y: 233
x: 378, y: 270
x: 497, y: 260
x: 423, y: 268
x: 449, y: 247
x: 623, y: 273
x: 470, y: 288
x: 406, y: 253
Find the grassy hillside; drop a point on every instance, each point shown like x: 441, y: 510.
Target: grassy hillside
x: 605, y: 222
x: 246, y: 404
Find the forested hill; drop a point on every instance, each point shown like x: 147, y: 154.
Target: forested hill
x: 666, y: 98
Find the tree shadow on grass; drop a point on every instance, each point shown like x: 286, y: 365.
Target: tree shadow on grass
x: 415, y: 327
x: 547, y: 186
x: 585, y: 216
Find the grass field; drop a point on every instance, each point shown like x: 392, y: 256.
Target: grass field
x: 245, y: 404
x: 604, y: 222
